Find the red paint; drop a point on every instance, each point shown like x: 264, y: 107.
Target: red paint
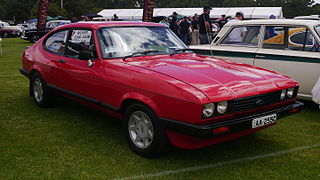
x: 174, y: 87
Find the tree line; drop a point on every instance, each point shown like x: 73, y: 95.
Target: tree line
x: 21, y: 10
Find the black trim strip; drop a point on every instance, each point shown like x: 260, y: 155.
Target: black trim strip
x: 25, y: 72
x: 111, y: 107
x: 235, y: 125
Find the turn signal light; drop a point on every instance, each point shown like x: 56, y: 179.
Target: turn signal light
x: 220, y: 130
x: 293, y: 110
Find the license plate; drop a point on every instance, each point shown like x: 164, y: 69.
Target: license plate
x: 264, y: 120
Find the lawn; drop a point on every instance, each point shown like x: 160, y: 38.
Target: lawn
x: 70, y: 141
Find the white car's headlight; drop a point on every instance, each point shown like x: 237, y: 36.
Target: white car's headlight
x: 208, y: 110
x: 222, y: 107
x: 290, y: 92
x: 283, y: 94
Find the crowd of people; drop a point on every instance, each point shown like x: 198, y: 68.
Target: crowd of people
x: 200, y: 29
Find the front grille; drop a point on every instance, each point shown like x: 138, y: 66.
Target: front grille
x: 254, y: 102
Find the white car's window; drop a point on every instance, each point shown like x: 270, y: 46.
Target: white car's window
x: 56, y: 42
x: 274, y: 37
x: 243, y: 35
x: 125, y: 41
x: 289, y: 38
x: 318, y: 30
x: 80, y: 39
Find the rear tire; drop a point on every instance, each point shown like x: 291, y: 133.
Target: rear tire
x: 40, y: 92
x: 143, y: 131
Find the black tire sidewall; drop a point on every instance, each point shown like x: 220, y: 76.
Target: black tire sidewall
x: 159, y: 143
x: 47, y: 97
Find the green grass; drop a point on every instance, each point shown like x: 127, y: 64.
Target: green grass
x: 70, y: 141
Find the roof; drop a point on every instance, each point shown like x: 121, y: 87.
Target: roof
x: 249, y: 12
x: 274, y: 21
x: 99, y: 24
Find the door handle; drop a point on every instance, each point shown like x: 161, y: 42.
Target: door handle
x: 62, y: 61
x: 259, y: 56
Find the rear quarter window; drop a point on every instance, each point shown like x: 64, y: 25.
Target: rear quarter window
x: 56, y: 42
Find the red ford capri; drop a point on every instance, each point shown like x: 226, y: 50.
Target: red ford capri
x: 164, y: 93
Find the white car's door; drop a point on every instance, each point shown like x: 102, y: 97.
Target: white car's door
x: 293, y: 52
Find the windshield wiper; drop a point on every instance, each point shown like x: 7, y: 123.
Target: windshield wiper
x: 177, y: 51
x: 141, y: 53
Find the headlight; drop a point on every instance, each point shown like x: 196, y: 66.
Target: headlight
x: 283, y: 94
x: 222, y: 107
x: 208, y: 110
x: 290, y: 92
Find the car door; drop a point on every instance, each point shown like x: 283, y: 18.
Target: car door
x: 82, y: 78
x: 240, y: 44
x: 54, y: 53
x: 293, y: 51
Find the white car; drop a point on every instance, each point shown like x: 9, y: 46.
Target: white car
x: 287, y: 46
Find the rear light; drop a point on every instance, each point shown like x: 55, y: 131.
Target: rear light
x: 221, y: 130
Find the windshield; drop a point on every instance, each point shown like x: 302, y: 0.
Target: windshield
x: 119, y: 42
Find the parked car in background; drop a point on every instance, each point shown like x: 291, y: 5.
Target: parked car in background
x: 9, y: 31
x: 23, y: 26
x: 287, y: 46
x: 143, y: 74
x: 33, y: 35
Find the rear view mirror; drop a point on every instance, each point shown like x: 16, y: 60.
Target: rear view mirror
x: 85, y: 55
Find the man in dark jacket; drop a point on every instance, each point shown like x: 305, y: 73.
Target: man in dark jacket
x: 184, y: 30
x: 174, y: 23
x: 205, y: 26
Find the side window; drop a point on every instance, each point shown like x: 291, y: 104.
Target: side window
x: 243, y: 35
x: 274, y: 37
x: 289, y: 38
x: 80, y: 40
x: 56, y: 42
x: 301, y: 39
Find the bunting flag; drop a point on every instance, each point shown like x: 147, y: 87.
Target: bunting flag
x: 42, y: 14
x: 148, y: 10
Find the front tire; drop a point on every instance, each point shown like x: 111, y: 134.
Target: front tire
x: 144, y: 132
x: 40, y: 92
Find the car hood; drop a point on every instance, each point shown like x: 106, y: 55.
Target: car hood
x: 217, y: 79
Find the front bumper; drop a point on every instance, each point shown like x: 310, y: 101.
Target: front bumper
x: 25, y: 72
x: 235, y: 125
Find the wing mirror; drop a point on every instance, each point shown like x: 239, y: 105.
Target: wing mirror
x: 86, y: 55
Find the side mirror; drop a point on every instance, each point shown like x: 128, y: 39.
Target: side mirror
x: 85, y: 55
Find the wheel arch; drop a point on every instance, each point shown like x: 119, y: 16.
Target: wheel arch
x: 138, y: 98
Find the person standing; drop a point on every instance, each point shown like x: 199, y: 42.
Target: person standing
x: 237, y: 34
x: 184, y: 30
x: 222, y: 21
x: 205, y: 26
x: 173, y: 23
x: 195, y: 30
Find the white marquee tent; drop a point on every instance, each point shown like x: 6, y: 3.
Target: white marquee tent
x: 249, y: 12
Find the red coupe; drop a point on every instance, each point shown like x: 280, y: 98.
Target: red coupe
x: 143, y: 74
